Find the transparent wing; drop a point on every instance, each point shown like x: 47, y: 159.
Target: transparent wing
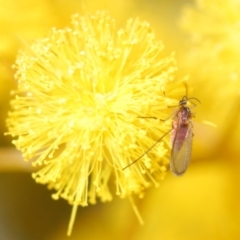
x: 181, y: 150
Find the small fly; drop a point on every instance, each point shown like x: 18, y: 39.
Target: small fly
x: 181, y: 138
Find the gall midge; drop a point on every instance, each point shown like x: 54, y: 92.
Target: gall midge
x: 181, y: 138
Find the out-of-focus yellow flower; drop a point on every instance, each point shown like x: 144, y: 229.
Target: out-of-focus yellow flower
x: 24, y: 20
x: 213, y: 62
x: 76, y: 111
x: 214, y: 27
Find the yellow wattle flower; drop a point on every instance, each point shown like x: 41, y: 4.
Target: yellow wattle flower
x: 77, y: 111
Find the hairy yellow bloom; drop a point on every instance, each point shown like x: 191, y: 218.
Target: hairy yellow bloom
x: 77, y: 111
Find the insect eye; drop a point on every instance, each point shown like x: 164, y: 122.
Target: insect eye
x: 183, y: 102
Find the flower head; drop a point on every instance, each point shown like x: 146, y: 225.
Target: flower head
x: 77, y: 111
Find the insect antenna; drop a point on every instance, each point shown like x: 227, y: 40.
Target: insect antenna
x: 194, y: 99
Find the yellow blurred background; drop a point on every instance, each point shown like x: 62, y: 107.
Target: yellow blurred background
x: 202, y: 204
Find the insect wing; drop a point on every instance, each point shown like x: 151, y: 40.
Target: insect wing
x: 181, y: 149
